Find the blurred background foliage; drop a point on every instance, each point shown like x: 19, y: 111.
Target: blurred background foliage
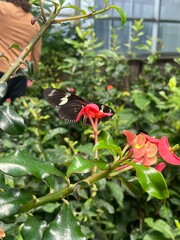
x: 147, y: 102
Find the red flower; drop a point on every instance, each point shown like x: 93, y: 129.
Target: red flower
x: 109, y: 87
x: 130, y: 136
x: 151, y: 139
x: 160, y: 166
x: 166, y: 152
x: 92, y: 111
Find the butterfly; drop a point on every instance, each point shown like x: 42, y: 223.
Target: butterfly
x: 70, y: 104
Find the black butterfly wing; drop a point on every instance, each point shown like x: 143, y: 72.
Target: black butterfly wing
x: 68, y: 104
x: 105, y: 109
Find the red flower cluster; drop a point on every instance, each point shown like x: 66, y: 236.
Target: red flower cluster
x: 147, y: 150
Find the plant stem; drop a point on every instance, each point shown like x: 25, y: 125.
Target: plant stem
x: 57, y: 196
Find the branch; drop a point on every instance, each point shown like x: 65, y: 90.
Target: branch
x: 57, y: 196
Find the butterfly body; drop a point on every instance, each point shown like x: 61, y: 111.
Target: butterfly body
x: 69, y: 105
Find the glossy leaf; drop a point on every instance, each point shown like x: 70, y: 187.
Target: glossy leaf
x: 11, y: 122
x: 22, y: 163
x: 151, y: 181
x: 132, y: 185
x: 3, y: 89
x: 160, y: 226
x: 121, y: 13
x: 106, y: 142
x: 10, y: 202
x: 79, y: 165
x: 64, y: 227
x: 33, y: 229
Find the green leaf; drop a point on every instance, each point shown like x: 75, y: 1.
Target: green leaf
x: 11, y: 122
x: 3, y: 89
x: 62, y: 2
x: 151, y: 181
x: 53, y: 132
x: 64, y: 227
x: 16, y: 46
x: 160, y: 226
x: 106, y: 142
x: 79, y: 32
x: 79, y: 165
x: 10, y: 202
x: 121, y: 13
x: 132, y: 185
x: 33, y: 229
x: 106, y: 205
x: 127, y: 117
x: 56, y: 155
x: 106, y: 2
x: 22, y: 163
x: 100, y: 163
x: 140, y: 100
x: 117, y: 192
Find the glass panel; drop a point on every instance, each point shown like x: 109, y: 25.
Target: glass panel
x: 169, y: 33
x: 143, y: 8
x: 102, y: 31
x: 123, y: 34
x: 170, y: 9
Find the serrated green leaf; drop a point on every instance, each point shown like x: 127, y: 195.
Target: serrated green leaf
x: 79, y: 165
x: 151, y: 181
x: 11, y: 122
x: 64, y: 227
x: 160, y: 226
x: 22, y: 163
x: 33, y: 229
x: 11, y: 201
x: 3, y: 89
x: 121, y: 13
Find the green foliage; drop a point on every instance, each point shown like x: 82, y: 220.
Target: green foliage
x: 55, y: 160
